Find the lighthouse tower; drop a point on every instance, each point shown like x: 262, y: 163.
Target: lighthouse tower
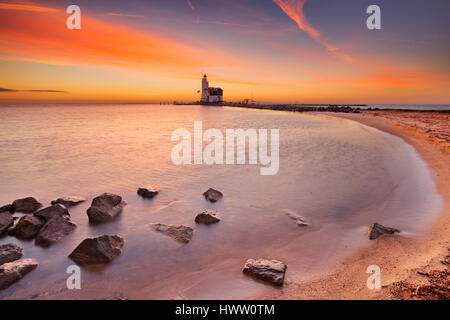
x: 205, y: 89
x: 210, y: 94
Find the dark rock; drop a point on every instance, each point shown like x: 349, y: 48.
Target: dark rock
x: 10, y: 252
x: 102, y: 249
x: 9, y: 208
x: 6, y: 221
x: 179, y: 233
x: 147, y: 193
x: 69, y: 201
x: 54, y: 230
x: 268, y: 270
x: 53, y: 210
x: 12, y: 272
x: 207, y: 217
x: 376, y: 230
x: 212, y: 195
x: 26, y: 205
x: 105, y: 207
x: 27, y: 227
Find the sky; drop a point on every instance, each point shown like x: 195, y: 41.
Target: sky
x: 279, y: 51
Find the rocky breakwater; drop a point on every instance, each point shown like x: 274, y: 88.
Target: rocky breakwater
x: 304, y: 107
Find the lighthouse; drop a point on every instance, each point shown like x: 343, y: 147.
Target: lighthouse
x: 209, y: 94
x: 205, y: 87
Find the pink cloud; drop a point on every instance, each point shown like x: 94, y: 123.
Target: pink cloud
x: 294, y: 9
x: 190, y: 5
x: 124, y: 15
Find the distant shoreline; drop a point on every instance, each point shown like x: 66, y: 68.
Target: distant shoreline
x: 293, y: 107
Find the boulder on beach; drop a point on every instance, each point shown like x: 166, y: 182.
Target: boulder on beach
x: 376, y: 230
x: 180, y: 233
x: 271, y: 271
x: 6, y: 221
x: 212, y: 195
x: 69, y: 201
x: 147, y: 193
x: 10, y: 252
x: 98, y: 250
x: 54, y: 230
x: 26, y: 205
x: 52, y: 211
x: 27, y: 227
x: 12, y: 272
x: 207, y: 217
x: 105, y: 207
x: 8, y: 208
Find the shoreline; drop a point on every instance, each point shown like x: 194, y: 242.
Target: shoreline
x: 400, y: 258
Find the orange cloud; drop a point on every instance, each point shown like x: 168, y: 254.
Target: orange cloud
x: 26, y: 7
x: 34, y: 60
x: 400, y: 80
x: 44, y: 37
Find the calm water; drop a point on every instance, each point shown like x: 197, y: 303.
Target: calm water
x: 340, y: 175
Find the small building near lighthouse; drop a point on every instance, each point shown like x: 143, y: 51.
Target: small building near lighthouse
x: 210, y: 94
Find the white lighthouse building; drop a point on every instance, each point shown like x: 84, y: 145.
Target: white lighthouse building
x: 210, y: 94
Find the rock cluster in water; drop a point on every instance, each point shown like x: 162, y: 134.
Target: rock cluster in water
x: 51, y: 224
x: 47, y: 226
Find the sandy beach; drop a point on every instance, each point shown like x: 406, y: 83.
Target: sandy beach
x: 411, y: 268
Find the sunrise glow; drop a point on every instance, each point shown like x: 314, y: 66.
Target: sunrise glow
x: 271, y: 51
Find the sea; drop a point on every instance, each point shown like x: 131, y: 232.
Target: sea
x: 337, y: 174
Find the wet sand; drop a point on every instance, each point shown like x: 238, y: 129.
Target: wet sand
x: 399, y: 257
x: 433, y: 125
